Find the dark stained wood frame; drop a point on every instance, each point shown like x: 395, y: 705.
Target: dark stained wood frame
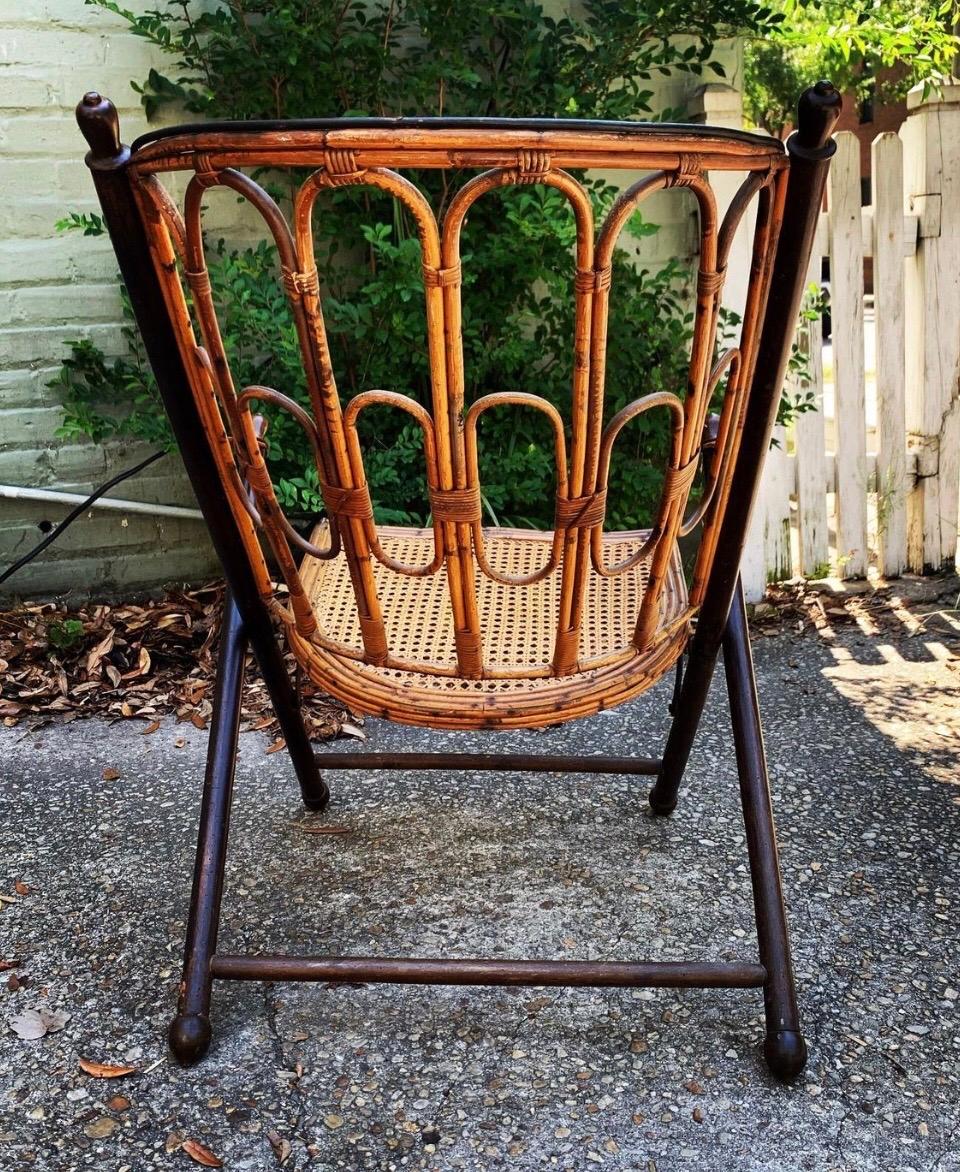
x: 247, y: 620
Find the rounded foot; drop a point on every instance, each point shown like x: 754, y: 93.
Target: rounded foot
x: 190, y: 1036
x: 786, y: 1054
x: 318, y: 797
x: 661, y: 806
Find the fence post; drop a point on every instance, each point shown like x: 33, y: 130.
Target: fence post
x: 810, y: 439
x: 767, y: 556
x: 888, y: 302
x: 931, y: 162
x: 846, y: 303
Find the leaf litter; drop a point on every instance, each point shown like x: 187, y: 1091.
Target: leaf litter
x: 143, y: 661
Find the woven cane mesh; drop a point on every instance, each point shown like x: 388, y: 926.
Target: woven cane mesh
x: 518, y: 623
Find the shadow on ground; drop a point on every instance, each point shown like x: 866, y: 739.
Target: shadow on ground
x: 862, y: 740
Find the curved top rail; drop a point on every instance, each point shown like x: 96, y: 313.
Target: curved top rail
x: 446, y: 142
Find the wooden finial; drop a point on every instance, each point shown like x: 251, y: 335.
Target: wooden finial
x: 100, y: 126
x: 817, y: 113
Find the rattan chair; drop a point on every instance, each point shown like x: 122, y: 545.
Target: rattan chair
x: 457, y: 626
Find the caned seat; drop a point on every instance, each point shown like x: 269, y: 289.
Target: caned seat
x: 516, y: 627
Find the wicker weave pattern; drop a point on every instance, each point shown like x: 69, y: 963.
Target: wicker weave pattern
x: 516, y: 621
x: 562, y: 622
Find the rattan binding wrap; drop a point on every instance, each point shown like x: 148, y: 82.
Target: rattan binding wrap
x: 458, y: 626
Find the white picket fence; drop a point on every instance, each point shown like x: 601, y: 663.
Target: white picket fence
x: 870, y: 480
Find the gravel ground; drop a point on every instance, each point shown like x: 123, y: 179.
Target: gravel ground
x: 97, y: 824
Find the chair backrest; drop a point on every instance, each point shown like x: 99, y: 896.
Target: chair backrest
x: 498, y: 153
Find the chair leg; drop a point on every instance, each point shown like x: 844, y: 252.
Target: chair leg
x: 313, y: 788
x: 686, y: 708
x: 190, y: 1030
x: 784, y: 1048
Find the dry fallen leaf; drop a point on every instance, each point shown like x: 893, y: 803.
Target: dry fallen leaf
x: 21, y: 888
x: 8, y: 964
x: 196, y: 1151
x: 35, y: 1023
x: 352, y: 730
x: 110, y: 774
x: 151, y: 728
x: 277, y: 745
x: 104, y: 1069
x: 281, y: 1147
x: 101, y: 649
x: 28, y: 1025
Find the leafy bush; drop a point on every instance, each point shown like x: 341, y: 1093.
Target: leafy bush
x: 499, y: 57
x: 873, y: 50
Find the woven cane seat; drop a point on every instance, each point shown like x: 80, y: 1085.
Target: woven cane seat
x: 517, y: 629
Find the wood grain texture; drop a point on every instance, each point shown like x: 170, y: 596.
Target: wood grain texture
x: 810, y: 441
x: 888, y: 300
x: 846, y: 301
x: 931, y: 138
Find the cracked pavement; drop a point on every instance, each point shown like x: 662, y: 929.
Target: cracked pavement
x: 862, y: 733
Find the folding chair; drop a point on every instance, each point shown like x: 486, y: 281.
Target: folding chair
x: 456, y: 626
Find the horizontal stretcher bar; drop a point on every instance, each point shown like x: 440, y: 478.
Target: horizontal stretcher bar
x: 418, y: 971
x: 508, y: 762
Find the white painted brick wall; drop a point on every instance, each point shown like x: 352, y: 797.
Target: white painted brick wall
x: 59, y: 287
x: 56, y: 288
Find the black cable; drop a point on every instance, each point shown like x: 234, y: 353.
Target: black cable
x: 74, y: 513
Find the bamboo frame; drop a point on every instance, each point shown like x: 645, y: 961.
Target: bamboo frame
x: 356, y: 156
x: 221, y: 445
